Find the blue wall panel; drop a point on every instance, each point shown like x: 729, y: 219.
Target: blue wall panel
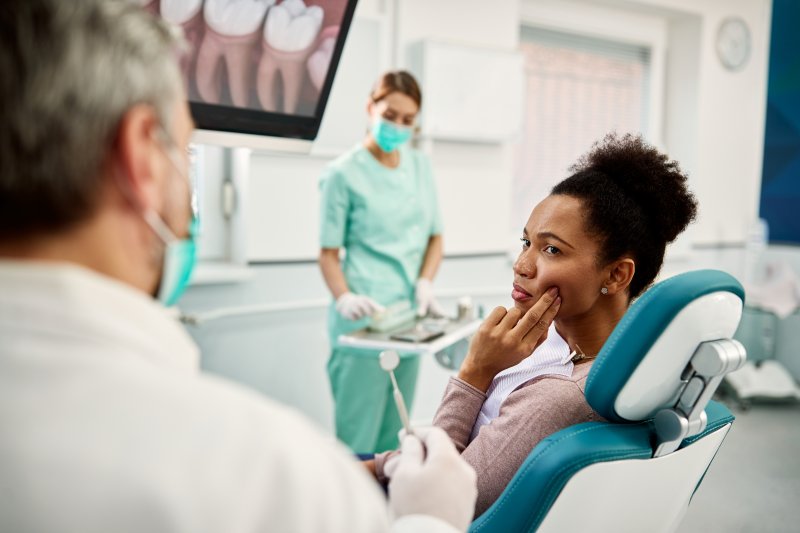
x: 780, y: 186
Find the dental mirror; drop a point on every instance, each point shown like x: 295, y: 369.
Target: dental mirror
x: 389, y: 360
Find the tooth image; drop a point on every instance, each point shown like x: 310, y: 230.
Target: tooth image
x: 289, y: 37
x: 188, y: 14
x: 334, y: 11
x: 320, y: 60
x: 151, y: 6
x: 232, y: 32
x: 180, y: 12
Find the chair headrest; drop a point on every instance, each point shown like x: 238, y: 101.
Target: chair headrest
x: 639, y: 370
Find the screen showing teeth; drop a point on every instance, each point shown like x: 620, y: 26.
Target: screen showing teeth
x: 265, y: 55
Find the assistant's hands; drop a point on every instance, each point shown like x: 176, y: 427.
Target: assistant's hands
x: 431, y: 478
x: 507, y: 337
x: 356, y: 306
x: 426, y: 303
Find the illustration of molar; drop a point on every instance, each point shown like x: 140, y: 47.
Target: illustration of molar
x: 289, y: 36
x: 151, y: 6
x: 188, y: 14
x: 232, y: 30
x: 320, y: 61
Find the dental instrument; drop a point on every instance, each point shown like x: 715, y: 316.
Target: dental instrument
x: 389, y: 360
x: 393, y: 317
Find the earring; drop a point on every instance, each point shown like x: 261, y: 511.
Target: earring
x: 604, y: 290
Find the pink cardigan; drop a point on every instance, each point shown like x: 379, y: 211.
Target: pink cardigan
x: 533, y: 411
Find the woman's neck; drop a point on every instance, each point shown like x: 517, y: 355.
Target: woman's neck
x: 387, y: 159
x: 588, y: 333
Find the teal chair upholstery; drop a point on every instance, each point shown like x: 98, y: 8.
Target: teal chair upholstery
x: 652, y: 382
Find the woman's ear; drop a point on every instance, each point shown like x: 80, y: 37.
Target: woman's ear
x: 620, y: 275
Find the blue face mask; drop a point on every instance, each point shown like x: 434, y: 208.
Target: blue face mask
x: 389, y: 135
x: 180, y: 255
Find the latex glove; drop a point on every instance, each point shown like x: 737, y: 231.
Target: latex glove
x: 426, y: 303
x: 438, y: 483
x: 356, y: 306
x: 393, y: 460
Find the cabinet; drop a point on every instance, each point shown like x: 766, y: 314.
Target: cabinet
x: 471, y: 94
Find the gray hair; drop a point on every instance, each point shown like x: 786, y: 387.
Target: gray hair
x: 69, y: 71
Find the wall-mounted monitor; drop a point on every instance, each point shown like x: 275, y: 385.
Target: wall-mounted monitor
x: 259, y: 68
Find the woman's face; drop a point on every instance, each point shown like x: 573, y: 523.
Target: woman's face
x: 558, y: 252
x: 395, y: 107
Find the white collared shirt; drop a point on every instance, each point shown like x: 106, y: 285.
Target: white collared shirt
x: 107, y: 425
x: 549, y: 358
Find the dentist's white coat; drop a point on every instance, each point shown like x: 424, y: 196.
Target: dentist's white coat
x: 107, y: 426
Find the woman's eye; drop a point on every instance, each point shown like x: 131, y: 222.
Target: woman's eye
x: 525, y: 242
x: 552, y: 250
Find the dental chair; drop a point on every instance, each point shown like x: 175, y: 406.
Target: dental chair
x: 652, y: 381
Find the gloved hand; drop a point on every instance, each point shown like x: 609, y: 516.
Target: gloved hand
x: 426, y: 303
x: 356, y: 306
x: 438, y: 483
x: 393, y: 459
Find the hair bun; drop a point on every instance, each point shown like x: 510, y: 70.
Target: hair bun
x: 648, y: 177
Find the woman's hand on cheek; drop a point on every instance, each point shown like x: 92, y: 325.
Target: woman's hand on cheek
x: 507, y: 337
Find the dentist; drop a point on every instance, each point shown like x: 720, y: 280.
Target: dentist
x: 106, y: 423
x: 379, y: 205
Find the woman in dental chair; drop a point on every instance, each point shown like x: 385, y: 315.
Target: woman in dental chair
x: 591, y: 247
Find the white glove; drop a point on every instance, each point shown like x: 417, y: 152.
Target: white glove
x: 356, y: 306
x: 439, y: 484
x: 426, y: 303
x: 393, y: 460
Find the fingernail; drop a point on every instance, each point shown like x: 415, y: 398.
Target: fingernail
x: 552, y: 291
x: 558, y: 301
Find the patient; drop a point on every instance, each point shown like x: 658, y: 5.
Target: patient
x: 588, y: 249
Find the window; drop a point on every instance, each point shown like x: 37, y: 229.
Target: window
x: 577, y: 89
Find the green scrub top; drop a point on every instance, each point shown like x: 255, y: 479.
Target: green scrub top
x: 383, y: 218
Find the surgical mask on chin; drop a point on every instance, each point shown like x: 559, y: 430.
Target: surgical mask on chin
x: 180, y: 256
x: 389, y: 135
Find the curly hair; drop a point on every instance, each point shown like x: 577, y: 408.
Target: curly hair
x: 636, y: 201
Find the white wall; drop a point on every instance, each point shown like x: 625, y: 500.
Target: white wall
x: 711, y: 120
x: 492, y: 24
x: 731, y: 109
x: 474, y: 179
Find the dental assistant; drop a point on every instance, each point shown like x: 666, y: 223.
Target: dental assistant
x: 379, y: 205
x: 106, y: 422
